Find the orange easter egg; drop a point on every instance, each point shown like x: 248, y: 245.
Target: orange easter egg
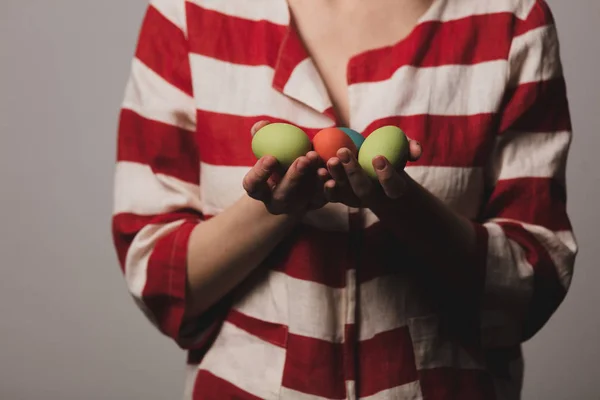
x: 328, y: 141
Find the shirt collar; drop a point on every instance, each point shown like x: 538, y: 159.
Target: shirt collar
x: 296, y: 74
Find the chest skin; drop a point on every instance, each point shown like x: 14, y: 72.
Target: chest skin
x: 333, y: 31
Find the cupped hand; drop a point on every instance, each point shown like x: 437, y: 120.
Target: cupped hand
x: 350, y: 185
x: 293, y: 191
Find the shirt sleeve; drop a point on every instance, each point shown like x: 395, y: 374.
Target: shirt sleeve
x: 526, y: 242
x: 157, y: 199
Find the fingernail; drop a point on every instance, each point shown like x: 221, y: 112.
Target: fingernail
x: 345, y: 156
x: 379, y: 163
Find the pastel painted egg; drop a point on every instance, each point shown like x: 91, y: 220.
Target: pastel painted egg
x: 356, y: 137
x: 283, y: 141
x: 388, y: 141
x: 328, y: 141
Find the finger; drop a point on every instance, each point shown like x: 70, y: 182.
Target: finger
x: 315, y: 160
x: 313, y: 156
x: 331, y: 191
x: 323, y: 175
x: 258, y: 126
x: 320, y: 179
x: 256, y: 182
x: 391, y: 182
x: 337, y: 172
x: 356, y: 176
x: 292, y: 179
x: 415, y: 150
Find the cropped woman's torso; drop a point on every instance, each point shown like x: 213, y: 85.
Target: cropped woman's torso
x: 333, y: 313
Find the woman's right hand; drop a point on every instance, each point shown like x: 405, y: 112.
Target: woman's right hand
x: 295, y: 191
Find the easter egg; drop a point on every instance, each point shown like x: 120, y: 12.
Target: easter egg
x: 356, y: 137
x: 328, y: 141
x: 388, y: 141
x: 283, y: 141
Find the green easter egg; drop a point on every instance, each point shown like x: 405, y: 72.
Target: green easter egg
x: 388, y: 141
x: 283, y: 141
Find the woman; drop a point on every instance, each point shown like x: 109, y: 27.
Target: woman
x: 319, y: 283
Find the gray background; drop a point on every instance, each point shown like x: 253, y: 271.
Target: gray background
x: 68, y: 329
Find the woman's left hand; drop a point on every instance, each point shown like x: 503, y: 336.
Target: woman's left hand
x: 350, y: 185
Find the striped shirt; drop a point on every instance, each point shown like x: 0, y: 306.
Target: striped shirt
x: 333, y: 313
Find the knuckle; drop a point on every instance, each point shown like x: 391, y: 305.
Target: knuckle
x: 279, y: 197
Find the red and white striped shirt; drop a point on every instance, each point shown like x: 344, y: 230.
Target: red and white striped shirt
x: 333, y: 314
